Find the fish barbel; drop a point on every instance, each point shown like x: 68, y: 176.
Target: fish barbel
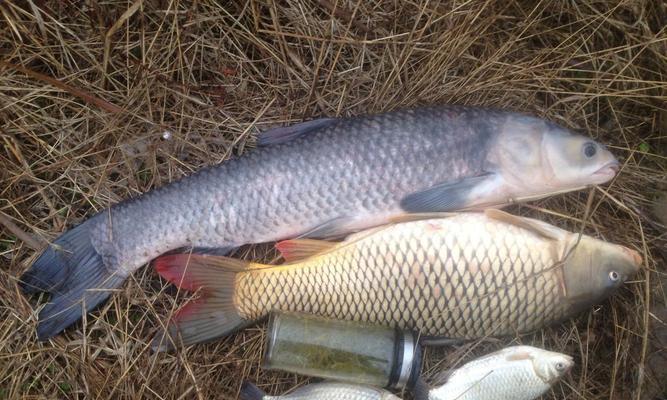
x: 468, y: 276
x: 321, y: 178
x: 321, y: 391
x: 513, y: 373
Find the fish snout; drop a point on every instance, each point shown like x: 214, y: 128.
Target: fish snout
x: 609, y: 170
x: 614, y: 166
x: 568, y: 362
x: 634, y: 256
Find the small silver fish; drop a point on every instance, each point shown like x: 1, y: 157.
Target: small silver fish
x: 513, y: 373
x: 320, y: 391
x: 318, y: 179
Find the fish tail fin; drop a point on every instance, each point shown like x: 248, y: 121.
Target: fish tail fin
x: 73, y: 272
x: 250, y: 391
x: 214, y: 313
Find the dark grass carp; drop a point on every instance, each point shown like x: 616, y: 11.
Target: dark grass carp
x: 468, y: 276
x: 321, y: 178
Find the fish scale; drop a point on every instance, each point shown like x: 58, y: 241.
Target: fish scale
x: 327, y: 178
x: 458, y: 290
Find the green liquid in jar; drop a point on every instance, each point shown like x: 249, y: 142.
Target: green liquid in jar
x: 340, y: 350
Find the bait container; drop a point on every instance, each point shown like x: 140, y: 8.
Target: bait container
x: 342, y: 350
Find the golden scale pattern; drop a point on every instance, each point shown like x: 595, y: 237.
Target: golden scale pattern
x: 438, y: 278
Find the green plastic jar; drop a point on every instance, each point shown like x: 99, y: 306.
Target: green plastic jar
x: 342, y: 350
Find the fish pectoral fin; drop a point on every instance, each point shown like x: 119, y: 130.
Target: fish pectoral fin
x: 300, y: 249
x: 446, y: 196
x: 420, y: 216
x: 286, y: 133
x: 538, y: 227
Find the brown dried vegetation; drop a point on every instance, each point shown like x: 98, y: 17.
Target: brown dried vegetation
x: 90, y: 89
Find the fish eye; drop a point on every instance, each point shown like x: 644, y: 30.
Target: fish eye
x: 614, y: 276
x: 590, y: 149
x: 560, y: 366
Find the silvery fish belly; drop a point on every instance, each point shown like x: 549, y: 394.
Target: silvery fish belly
x: 468, y: 276
x: 321, y: 391
x: 513, y: 373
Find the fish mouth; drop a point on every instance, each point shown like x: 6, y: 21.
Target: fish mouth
x: 634, y: 256
x: 609, y: 170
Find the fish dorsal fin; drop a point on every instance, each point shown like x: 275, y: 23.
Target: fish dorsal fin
x: 286, y: 133
x: 519, y: 355
x: 540, y: 228
x: 300, y: 249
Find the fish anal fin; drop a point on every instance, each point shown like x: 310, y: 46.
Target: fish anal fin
x: 334, y: 228
x: 300, y: 249
x: 540, y: 228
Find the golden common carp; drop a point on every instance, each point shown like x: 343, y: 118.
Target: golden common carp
x: 467, y: 276
x: 320, y: 179
x: 321, y: 391
x: 513, y: 373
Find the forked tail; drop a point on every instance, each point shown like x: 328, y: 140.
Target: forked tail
x: 213, y: 314
x: 74, y: 274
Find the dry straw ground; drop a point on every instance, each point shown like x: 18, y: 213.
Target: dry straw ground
x: 117, y: 75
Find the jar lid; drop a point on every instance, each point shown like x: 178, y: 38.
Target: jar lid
x: 407, y: 361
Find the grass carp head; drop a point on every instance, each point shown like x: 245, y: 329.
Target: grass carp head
x: 595, y: 268
x: 537, y: 158
x: 576, y: 160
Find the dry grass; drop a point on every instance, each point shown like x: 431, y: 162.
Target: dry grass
x: 211, y: 74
